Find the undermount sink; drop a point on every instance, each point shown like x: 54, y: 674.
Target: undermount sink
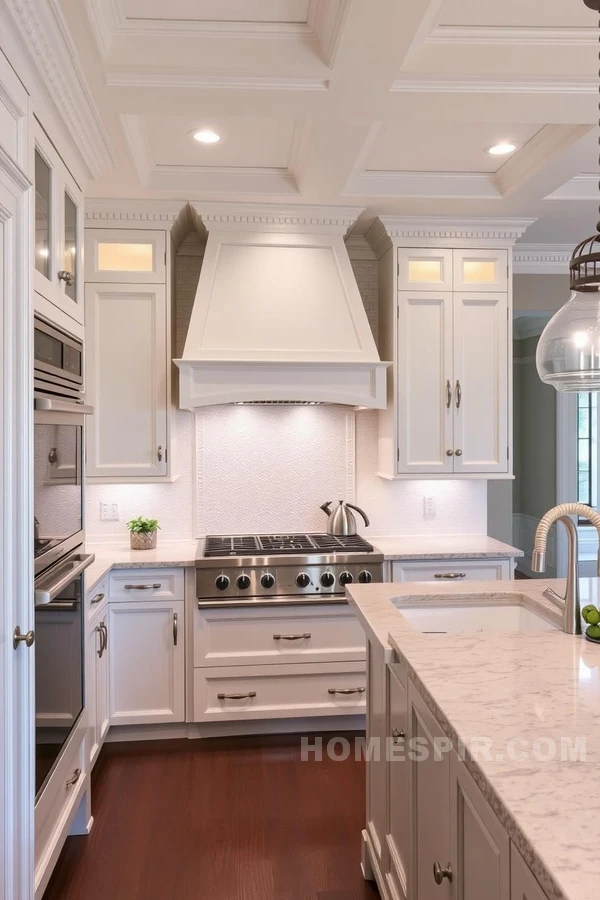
x: 439, y: 617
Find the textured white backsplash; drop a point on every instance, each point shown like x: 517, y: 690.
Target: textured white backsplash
x: 266, y: 469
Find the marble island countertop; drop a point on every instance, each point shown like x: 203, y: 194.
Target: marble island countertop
x: 513, y: 690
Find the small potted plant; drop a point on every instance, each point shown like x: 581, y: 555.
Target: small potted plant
x: 143, y: 533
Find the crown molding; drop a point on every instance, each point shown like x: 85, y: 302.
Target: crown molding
x: 449, y: 185
x: 48, y: 44
x: 282, y: 219
x: 489, y: 34
x: 537, y: 259
x: 386, y: 231
x: 358, y: 247
x: 491, y: 84
x: 116, y: 213
x: 136, y: 79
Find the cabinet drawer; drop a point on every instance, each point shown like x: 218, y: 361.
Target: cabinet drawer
x: 453, y: 571
x: 241, y: 636
x: 96, y: 599
x: 59, y: 798
x: 146, y: 584
x: 278, y: 692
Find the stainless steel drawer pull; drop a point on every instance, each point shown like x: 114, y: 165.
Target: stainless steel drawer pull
x: 359, y: 690
x: 247, y: 696
x: 100, y: 650
x: 98, y: 598
x: 143, y: 587
x: 458, y: 395
x: 105, y: 630
x: 175, y: 628
x: 73, y: 779
x: 448, y: 395
x: 292, y: 637
x: 450, y: 575
x: 398, y: 735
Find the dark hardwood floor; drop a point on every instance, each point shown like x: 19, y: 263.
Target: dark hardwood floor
x: 239, y: 819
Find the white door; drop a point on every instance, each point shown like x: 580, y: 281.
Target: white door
x: 422, y: 269
x: 126, y: 380
x: 480, y: 390
x: 523, y: 884
x: 16, y: 510
x: 480, y: 845
x: 125, y: 256
x: 398, y: 830
x: 424, y: 383
x: 480, y: 270
x: 429, y: 805
x: 146, y: 662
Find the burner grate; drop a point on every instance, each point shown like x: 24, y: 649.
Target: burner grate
x: 348, y: 543
x: 230, y: 545
x: 283, y: 544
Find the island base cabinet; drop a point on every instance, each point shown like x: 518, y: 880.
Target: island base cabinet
x: 480, y: 846
x: 429, y: 804
x: 376, y: 733
x: 523, y: 884
x: 398, y: 837
x: 147, y: 675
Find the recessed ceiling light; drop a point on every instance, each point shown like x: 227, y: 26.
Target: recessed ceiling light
x: 502, y: 148
x: 206, y: 137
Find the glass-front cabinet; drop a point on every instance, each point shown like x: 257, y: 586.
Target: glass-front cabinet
x: 58, y: 234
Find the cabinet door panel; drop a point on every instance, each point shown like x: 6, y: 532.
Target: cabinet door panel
x: 424, y: 382
x: 480, y: 270
x: 398, y: 831
x: 430, y: 802
x: 146, y: 662
x: 376, y: 786
x: 422, y: 269
x: 523, y: 884
x: 125, y: 256
x: 480, y: 397
x: 453, y: 571
x: 480, y: 846
x: 126, y: 379
x: 102, y: 687
x: 93, y: 639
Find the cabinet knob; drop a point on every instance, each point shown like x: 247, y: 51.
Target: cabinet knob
x: 398, y: 735
x: 159, y: 453
x: 458, y: 452
x: 66, y: 276
x: 449, y: 452
x: 27, y: 638
x: 441, y: 872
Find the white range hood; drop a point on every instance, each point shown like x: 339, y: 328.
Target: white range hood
x: 278, y: 316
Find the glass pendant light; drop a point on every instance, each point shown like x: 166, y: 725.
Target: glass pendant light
x: 568, y: 352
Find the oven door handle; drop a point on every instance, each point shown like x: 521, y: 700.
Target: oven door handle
x: 49, y: 404
x: 42, y: 598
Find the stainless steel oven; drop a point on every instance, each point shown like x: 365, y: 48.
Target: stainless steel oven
x: 58, y: 445
x: 59, y: 660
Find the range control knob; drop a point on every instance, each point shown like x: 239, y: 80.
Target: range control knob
x: 327, y: 579
x: 222, y: 582
x: 267, y: 580
x: 365, y: 577
x: 303, y: 580
x: 346, y: 578
x: 243, y: 582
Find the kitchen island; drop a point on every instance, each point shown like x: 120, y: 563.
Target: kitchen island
x: 522, y: 713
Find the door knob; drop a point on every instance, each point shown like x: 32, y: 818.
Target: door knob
x: 449, y: 452
x: 441, y: 872
x: 27, y: 638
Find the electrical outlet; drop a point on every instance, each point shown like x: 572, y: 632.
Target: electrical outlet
x: 428, y: 506
x: 109, y: 512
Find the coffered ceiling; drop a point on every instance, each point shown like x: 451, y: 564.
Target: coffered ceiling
x: 387, y: 105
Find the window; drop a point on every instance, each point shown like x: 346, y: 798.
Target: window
x: 587, y: 451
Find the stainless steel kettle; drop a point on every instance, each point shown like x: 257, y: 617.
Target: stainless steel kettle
x: 340, y: 520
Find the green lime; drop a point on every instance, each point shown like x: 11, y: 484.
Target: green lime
x: 587, y: 609
x: 593, y: 631
x: 593, y: 617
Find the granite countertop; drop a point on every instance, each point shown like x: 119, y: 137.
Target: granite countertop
x: 451, y: 546
x: 170, y: 554
x: 513, y: 687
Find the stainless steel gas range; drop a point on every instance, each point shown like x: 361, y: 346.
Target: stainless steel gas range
x: 261, y: 569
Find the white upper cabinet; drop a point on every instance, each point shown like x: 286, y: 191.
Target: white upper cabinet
x: 424, y: 270
x: 126, y: 380
x: 58, y: 275
x: 14, y: 115
x: 444, y: 317
x: 480, y: 355
x: 480, y: 270
x: 125, y: 256
x: 424, y: 382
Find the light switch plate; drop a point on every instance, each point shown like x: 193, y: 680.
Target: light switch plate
x: 109, y: 512
x: 428, y: 506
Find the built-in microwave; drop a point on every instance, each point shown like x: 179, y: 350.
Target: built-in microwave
x: 59, y: 415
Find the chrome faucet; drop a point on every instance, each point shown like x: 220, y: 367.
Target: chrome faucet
x: 570, y: 602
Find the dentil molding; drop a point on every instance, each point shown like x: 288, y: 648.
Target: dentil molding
x: 428, y: 232
x: 137, y: 212
x: 538, y: 259
x: 276, y: 218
